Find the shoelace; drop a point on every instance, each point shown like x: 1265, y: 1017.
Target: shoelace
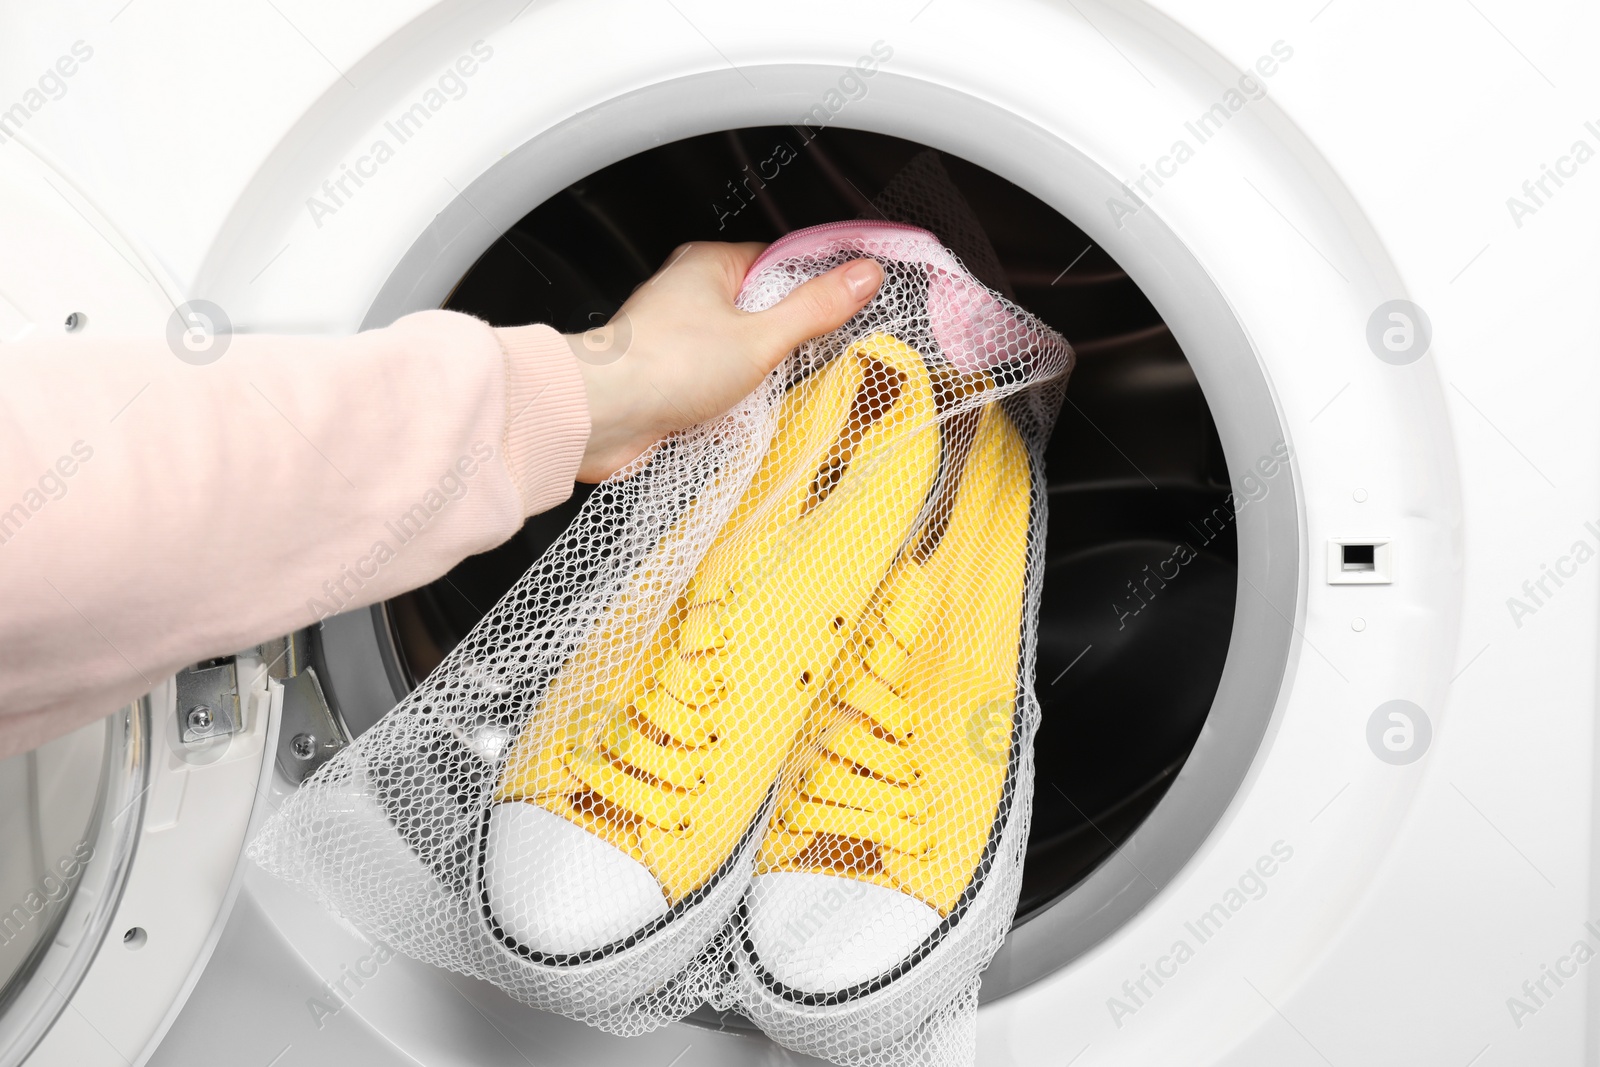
x: 646, y: 757
x: 864, y: 783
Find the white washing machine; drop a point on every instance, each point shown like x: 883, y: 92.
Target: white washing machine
x: 1318, y: 773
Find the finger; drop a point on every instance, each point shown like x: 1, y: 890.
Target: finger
x: 734, y: 261
x: 821, y: 305
x: 723, y: 261
x: 742, y: 253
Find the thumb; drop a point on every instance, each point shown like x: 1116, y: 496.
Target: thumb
x: 821, y: 305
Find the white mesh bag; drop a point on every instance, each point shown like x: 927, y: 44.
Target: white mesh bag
x: 756, y: 730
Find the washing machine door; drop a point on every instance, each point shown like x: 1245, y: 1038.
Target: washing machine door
x: 100, y: 941
x: 68, y: 810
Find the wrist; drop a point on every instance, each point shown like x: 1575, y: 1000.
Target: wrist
x: 618, y: 425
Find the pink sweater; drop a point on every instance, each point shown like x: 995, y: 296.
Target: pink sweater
x: 155, y: 513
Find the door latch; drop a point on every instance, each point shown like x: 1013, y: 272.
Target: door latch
x: 208, y: 701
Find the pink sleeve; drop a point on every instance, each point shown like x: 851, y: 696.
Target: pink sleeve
x: 154, y: 513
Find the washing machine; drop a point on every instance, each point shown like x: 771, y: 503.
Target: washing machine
x: 1317, y: 773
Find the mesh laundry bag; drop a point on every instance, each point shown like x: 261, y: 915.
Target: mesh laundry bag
x: 757, y: 728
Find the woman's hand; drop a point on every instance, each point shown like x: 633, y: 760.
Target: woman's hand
x: 679, y: 353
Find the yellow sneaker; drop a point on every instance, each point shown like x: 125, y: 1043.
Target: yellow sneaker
x: 635, y: 800
x: 888, y: 864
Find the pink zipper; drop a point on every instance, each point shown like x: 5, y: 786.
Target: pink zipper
x: 973, y: 326
x: 814, y: 239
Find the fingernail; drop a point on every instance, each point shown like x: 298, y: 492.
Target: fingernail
x: 861, y: 278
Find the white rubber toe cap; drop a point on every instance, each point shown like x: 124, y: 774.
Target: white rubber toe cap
x: 819, y: 933
x: 558, y: 889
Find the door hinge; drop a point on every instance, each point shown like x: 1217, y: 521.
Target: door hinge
x: 310, y: 734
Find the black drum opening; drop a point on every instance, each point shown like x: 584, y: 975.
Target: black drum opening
x: 1140, y: 584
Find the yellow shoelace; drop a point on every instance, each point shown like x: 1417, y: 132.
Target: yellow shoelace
x: 864, y: 783
x: 873, y: 798
x: 676, y: 708
x: 676, y: 711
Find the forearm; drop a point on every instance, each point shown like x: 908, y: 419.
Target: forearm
x: 153, y: 513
